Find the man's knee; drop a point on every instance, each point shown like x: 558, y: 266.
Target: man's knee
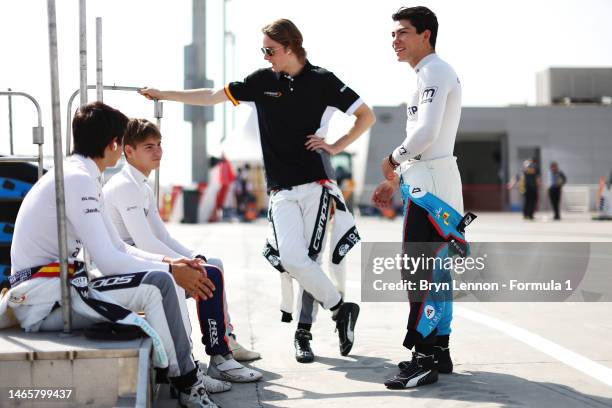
x: 161, y: 280
x: 295, y: 263
x: 215, y: 275
x: 216, y: 262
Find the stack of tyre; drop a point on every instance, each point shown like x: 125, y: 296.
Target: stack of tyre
x: 16, y: 179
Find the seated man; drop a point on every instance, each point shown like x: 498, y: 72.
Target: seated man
x: 131, y: 206
x: 141, y: 281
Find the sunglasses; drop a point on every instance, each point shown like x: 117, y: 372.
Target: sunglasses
x: 268, y: 51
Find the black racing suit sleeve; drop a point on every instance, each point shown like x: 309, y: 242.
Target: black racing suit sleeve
x: 248, y: 90
x: 338, y: 94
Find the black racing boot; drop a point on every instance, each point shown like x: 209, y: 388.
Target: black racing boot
x: 421, y: 370
x: 442, y: 355
x: 303, y: 352
x: 443, y: 360
x: 441, y: 351
x: 346, y: 318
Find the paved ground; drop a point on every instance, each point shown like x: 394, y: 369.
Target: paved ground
x: 506, y: 354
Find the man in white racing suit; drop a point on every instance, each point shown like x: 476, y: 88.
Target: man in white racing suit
x: 131, y: 206
x: 134, y: 279
x: 425, y: 161
x: 294, y: 101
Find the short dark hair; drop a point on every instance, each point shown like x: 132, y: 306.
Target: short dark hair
x: 94, y: 127
x: 284, y: 32
x: 138, y: 130
x: 421, y: 18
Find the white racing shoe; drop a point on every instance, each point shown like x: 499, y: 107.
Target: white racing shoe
x: 240, y: 352
x: 196, y: 397
x: 228, y: 369
x: 212, y: 385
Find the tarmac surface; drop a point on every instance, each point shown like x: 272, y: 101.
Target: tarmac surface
x: 506, y: 354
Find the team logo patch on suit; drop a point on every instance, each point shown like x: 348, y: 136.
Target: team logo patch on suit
x: 274, y: 94
x: 429, y: 94
x: 418, y: 192
x: 430, y: 312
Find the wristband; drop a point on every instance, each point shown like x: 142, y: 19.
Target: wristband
x: 392, y: 161
x: 202, y: 257
x: 170, y: 268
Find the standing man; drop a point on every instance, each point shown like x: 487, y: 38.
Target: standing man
x: 528, y: 182
x: 557, y: 180
x: 430, y: 182
x: 294, y: 101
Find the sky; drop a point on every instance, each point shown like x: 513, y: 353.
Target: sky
x: 496, y: 47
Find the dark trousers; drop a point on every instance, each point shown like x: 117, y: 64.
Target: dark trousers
x: 554, y: 193
x: 212, y: 317
x: 530, y: 199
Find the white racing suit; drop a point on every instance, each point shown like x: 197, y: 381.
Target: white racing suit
x: 299, y: 218
x: 134, y: 279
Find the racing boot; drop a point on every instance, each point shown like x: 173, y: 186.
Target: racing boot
x: 444, y: 363
x: 240, y: 352
x: 227, y: 369
x: 212, y: 385
x: 196, y: 397
x: 442, y: 355
x: 421, y: 370
x: 303, y: 352
x: 346, y: 318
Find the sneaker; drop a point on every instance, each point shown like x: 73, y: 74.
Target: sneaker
x: 419, y: 371
x: 345, y: 325
x: 196, y: 397
x: 228, y: 369
x: 212, y: 385
x: 303, y: 352
x: 444, y: 363
x: 240, y: 352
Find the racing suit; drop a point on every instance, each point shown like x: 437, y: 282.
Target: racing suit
x: 426, y: 159
x: 133, y: 279
x: 130, y: 204
x: 343, y: 237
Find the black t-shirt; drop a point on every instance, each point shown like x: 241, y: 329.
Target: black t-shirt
x: 288, y: 110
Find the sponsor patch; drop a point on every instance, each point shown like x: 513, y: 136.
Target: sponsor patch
x: 80, y: 282
x: 417, y: 192
x: 91, y: 210
x: 17, y: 299
x: 89, y: 199
x: 412, y: 110
x: 212, y: 330
x: 343, y: 250
x: 429, y: 94
x: 430, y: 312
x: 274, y: 94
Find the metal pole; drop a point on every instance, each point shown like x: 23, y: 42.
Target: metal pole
x: 59, y: 169
x: 83, y: 50
x: 10, y: 109
x: 159, y: 113
x: 223, y: 75
x: 99, y: 82
x: 38, y: 132
x: 71, y: 101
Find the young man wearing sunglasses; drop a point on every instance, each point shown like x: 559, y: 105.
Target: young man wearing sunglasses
x: 430, y: 184
x: 294, y: 101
